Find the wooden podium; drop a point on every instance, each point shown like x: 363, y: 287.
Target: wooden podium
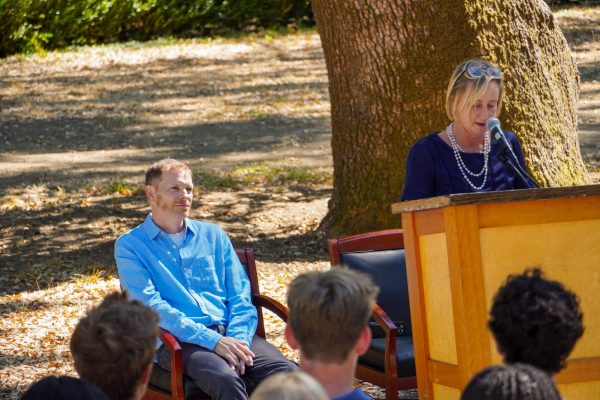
x: 460, y: 249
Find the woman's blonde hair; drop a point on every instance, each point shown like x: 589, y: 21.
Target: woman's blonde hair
x: 464, y: 88
x: 290, y: 386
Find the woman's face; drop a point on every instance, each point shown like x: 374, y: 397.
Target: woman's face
x: 471, y: 120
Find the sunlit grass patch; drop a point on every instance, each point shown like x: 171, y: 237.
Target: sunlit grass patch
x: 260, y: 174
x: 124, y: 188
x: 265, y: 173
x: 41, y: 196
x: 94, y: 275
x: 211, y: 180
x: 27, y: 198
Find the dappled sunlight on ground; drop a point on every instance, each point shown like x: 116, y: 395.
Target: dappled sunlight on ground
x: 582, y: 30
x: 36, y: 328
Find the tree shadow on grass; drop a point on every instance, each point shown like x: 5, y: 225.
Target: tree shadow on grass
x: 9, y: 307
x: 589, y: 71
x: 54, y: 244
x: 101, y: 154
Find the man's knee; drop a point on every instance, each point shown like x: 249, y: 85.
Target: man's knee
x: 283, y: 366
x: 223, y: 376
x: 199, y: 365
x: 217, y: 379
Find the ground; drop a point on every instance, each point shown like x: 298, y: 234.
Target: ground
x: 251, y: 117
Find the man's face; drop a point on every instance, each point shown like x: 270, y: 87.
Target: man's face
x: 173, y: 194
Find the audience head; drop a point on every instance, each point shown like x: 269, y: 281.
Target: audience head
x: 63, y: 388
x: 511, y: 382
x: 469, y: 81
x: 289, y: 386
x: 535, y: 321
x: 113, y: 346
x: 154, y: 173
x: 328, y: 313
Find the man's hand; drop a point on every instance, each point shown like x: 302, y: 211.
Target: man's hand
x: 235, y: 352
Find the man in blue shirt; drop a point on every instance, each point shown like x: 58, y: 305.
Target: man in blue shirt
x: 328, y: 316
x: 188, y: 272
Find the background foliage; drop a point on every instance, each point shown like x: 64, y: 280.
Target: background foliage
x: 38, y: 25
x: 29, y: 26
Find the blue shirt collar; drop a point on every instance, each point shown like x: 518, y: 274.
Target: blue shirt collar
x: 152, y: 230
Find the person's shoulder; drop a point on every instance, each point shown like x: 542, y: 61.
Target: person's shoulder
x: 356, y: 394
x: 429, y: 139
x: 510, y: 135
x: 205, y: 227
x: 512, y: 139
x: 202, y: 224
x: 425, y: 148
x: 130, y: 234
x: 426, y: 142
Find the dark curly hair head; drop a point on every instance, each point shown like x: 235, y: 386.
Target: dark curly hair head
x: 535, y: 321
x: 511, y: 382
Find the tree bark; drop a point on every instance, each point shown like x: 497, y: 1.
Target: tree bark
x: 389, y: 62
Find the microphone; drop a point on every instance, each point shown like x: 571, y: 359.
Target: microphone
x: 493, y: 125
x: 505, y: 149
x: 506, y: 152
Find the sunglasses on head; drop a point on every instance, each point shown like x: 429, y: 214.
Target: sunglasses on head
x: 477, y: 71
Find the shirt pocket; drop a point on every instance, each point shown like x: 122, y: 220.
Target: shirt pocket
x: 204, y: 277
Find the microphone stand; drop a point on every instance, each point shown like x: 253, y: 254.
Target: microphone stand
x: 531, y: 184
x: 516, y: 166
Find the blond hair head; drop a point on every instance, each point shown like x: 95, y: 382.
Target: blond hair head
x: 469, y: 81
x: 290, y: 386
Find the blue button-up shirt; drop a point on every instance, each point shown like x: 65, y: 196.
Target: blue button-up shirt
x: 198, y: 285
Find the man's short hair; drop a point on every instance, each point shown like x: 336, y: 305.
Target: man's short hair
x: 328, y: 311
x: 535, y: 321
x: 114, y: 343
x: 508, y: 382
x: 154, y: 173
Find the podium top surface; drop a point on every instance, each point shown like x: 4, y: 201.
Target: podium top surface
x: 460, y: 199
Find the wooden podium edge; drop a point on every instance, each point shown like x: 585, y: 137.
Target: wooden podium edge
x: 494, y: 197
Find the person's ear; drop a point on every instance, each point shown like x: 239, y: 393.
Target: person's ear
x: 364, y: 341
x: 290, y: 338
x: 146, y: 374
x: 140, y: 390
x: 150, y: 192
x: 499, y: 350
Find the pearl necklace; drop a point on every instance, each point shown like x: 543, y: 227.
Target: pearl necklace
x: 461, y: 164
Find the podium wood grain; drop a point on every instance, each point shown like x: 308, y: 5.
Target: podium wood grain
x: 460, y: 248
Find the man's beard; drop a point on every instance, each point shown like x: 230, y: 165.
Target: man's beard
x: 168, y: 206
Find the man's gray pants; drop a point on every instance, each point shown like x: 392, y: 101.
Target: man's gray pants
x: 214, y: 376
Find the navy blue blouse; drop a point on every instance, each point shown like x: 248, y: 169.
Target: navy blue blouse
x: 432, y: 170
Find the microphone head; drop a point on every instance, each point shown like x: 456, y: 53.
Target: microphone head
x: 492, y: 123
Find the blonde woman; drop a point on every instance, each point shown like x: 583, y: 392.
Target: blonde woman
x: 289, y: 386
x: 464, y: 157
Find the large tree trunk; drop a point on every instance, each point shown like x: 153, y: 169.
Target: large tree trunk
x: 389, y: 62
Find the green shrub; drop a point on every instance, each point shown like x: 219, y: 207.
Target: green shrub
x: 39, y: 25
